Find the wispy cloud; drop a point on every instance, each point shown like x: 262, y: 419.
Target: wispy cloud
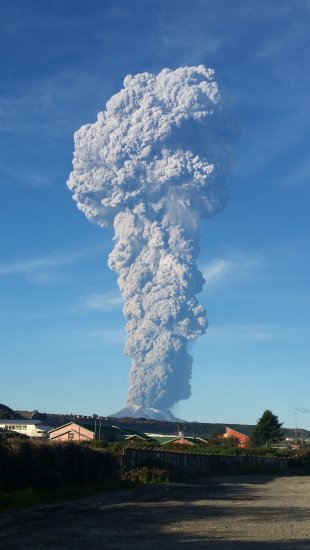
x: 111, y: 336
x: 87, y: 338
x: 276, y: 44
x: 172, y: 36
x: 102, y: 302
x: 46, y: 269
x: 239, y: 334
x: 302, y: 410
x: 276, y: 137
x: 224, y: 335
x: 24, y: 176
x: 234, y: 267
x: 301, y: 174
x: 41, y: 101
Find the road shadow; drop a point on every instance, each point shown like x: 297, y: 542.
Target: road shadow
x: 219, y: 515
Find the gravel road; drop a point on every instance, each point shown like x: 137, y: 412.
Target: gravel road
x: 244, y: 513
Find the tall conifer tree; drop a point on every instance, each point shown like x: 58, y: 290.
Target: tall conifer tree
x: 267, y: 430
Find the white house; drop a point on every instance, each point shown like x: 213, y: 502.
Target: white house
x: 32, y: 428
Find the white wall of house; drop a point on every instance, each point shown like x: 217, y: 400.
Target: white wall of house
x: 30, y: 428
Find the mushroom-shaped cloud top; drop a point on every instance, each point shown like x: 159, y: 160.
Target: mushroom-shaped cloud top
x: 154, y: 142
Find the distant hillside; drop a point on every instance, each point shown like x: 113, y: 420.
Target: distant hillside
x: 6, y: 412
x: 32, y: 415
x: 195, y: 429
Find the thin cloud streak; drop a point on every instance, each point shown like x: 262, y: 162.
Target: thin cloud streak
x: 302, y: 410
x: 43, y: 270
x: 238, y: 334
x: 25, y: 177
x: 301, y: 176
x: 103, y: 302
x: 267, y: 147
x: 234, y: 267
x: 29, y: 266
x: 86, y: 338
x: 227, y: 335
x: 111, y: 336
x: 52, y: 105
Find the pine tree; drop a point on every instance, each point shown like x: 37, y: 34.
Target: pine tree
x: 267, y: 430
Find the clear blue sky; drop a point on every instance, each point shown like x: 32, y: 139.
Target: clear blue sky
x: 61, y: 338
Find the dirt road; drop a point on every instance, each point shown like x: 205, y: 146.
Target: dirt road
x: 243, y: 513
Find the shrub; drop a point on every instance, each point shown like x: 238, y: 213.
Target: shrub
x: 147, y: 474
x: 42, y: 465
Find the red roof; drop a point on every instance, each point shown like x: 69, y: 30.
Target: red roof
x: 242, y: 438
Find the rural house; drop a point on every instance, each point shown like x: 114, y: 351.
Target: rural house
x: 31, y: 428
x: 71, y: 432
x: 243, y: 440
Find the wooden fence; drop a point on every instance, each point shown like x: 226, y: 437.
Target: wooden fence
x: 134, y: 458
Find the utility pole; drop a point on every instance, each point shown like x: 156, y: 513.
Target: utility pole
x: 295, y: 414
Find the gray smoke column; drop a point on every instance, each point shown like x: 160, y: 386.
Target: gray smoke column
x: 153, y: 165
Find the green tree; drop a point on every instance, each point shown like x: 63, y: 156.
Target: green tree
x: 267, y: 430
x: 215, y: 438
x: 231, y: 442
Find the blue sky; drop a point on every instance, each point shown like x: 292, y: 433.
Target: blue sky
x: 62, y: 337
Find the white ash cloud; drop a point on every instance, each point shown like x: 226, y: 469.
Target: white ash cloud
x: 153, y: 164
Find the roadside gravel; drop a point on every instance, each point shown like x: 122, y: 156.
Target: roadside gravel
x: 244, y: 513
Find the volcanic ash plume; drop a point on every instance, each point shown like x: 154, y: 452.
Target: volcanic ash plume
x: 153, y: 164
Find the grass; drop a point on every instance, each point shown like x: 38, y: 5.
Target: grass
x: 28, y: 496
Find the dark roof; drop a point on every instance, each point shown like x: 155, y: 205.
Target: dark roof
x: 131, y: 432
x: 166, y: 438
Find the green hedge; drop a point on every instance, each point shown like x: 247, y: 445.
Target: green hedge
x: 220, y: 450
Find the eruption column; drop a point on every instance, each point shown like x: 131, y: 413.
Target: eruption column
x: 153, y: 164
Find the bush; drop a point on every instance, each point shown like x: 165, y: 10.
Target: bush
x: 301, y: 462
x: 147, y: 474
x: 42, y: 465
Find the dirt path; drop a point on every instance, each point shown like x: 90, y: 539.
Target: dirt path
x: 243, y: 513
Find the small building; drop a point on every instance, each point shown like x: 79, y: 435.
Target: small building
x: 71, y: 432
x: 136, y: 438
x: 243, y: 440
x: 170, y: 439
x: 202, y: 440
x: 86, y: 432
x: 181, y: 440
x: 31, y: 428
x: 128, y: 434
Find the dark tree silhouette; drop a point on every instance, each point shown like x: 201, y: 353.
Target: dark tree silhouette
x: 267, y: 430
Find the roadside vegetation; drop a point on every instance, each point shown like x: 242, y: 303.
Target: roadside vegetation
x: 32, y: 471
